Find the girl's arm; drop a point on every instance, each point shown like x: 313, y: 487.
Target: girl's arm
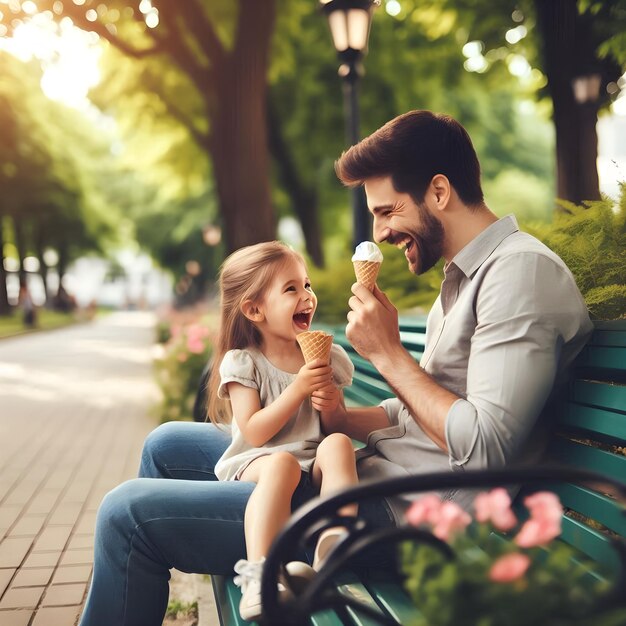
x: 259, y: 424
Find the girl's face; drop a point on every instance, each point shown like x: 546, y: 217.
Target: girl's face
x: 288, y: 304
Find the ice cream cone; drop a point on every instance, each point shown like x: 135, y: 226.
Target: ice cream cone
x: 315, y: 344
x: 366, y: 273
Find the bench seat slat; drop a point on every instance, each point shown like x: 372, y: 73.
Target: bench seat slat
x: 586, y: 457
x: 392, y: 597
x: 348, y: 583
x: 593, y: 505
x: 592, y: 420
x: 600, y: 394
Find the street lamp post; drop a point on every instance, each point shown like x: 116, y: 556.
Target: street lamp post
x: 349, y: 22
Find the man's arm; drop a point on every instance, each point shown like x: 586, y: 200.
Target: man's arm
x: 427, y: 401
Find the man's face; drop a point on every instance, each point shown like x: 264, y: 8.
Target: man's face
x: 400, y: 221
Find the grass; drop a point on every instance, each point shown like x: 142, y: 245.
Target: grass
x: 177, y: 609
x: 46, y: 320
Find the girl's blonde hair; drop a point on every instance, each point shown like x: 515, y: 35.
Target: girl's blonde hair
x: 245, y: 275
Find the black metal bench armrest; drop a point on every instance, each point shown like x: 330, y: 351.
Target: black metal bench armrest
x: 321, y: 513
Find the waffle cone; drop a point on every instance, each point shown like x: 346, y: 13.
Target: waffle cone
x: 366, y: 273
x: 315, y: 344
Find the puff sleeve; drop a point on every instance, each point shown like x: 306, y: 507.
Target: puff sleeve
x: 237, y: 366
x: 342, y: 366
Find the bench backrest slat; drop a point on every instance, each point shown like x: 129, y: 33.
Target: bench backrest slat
x: 588, y: 457
x: 598, y: 506
x: 607, y: 424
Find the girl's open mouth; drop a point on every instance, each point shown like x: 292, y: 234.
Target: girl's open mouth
x: 302, y: 320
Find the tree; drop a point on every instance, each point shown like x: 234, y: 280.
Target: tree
x: 567, y: 40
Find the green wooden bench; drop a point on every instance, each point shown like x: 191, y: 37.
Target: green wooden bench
x: 590, y: 438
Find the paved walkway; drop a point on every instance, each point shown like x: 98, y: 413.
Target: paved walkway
x: 74, y: 409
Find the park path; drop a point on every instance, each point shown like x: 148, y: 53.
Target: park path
x: 75, y: 406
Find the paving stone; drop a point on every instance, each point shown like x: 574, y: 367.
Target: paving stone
x: 12, y: 617
x: 5, y: 577
x: 80, y: 541
x: 28, y: 526
x: 21, y: 598
x: 32, y: 576
x: 77, y: 557
x: 13, y: 550
x: 57, y: 616
x: 63, y: 595
x: 41, y: 559
x: 72, y: 574
x: 53, y: 538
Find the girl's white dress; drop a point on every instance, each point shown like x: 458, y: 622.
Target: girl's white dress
x: 300, y: 435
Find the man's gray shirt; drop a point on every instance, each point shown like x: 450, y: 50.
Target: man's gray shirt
x: 501, y: 335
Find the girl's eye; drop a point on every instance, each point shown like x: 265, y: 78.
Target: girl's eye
x: 291, y: 288
x: 307, y: 286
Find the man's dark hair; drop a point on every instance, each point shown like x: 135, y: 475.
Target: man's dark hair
x: 412, y: 148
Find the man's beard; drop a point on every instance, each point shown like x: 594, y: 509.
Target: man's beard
x: 428, y: 241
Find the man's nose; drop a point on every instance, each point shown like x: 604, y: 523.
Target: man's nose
x: 380, y: 232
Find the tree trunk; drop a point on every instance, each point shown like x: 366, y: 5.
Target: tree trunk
x: 303, y: 199
x: 20, y: 244
x: 569, y: 52
x: 238, y: 144
x: 5, y: 308
x: 39, y: 249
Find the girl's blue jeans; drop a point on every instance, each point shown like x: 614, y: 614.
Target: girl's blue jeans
x: 175, y: 515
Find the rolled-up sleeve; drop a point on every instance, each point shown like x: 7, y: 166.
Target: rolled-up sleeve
x: 513, y: 359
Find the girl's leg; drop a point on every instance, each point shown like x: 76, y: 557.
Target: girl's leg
x: 186, y: 450
x: 277, y: 476
x: 334, y: 469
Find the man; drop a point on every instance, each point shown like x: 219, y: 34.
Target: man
x: 508, y: 319
x: 506, y: 325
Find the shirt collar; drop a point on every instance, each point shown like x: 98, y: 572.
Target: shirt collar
x: 476, y: 252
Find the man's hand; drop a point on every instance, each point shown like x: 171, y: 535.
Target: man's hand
x: 372, y: 323
x: 326, y: 399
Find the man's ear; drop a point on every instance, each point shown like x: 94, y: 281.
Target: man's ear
x: 252, y: 311
x: 441, y: 191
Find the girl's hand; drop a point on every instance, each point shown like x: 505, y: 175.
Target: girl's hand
x: 313, y: 376
x: 326, y: 399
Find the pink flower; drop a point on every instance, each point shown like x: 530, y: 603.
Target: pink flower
x: 509, y: 568
x: 495, y: 507
x: 451, y: 519
x: 196, y: 346
x: 544, y: 524
x: 445, y: 518
x: 196, y: 332
x: 425, y: 510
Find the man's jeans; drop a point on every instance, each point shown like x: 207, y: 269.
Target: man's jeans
x: 149, y: 525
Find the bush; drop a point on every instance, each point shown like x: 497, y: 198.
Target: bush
x: 179, y: 370
x: 591, y: 239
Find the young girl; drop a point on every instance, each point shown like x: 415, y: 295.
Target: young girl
x: 276, y: 401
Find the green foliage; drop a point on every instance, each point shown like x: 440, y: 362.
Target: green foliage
x: 522, y: 193
x: 591, y: 239
x: 177, y: 609
x: 404, y: 289
x: 178, y: 371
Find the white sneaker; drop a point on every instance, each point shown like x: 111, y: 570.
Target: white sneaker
x: 249, y: 579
